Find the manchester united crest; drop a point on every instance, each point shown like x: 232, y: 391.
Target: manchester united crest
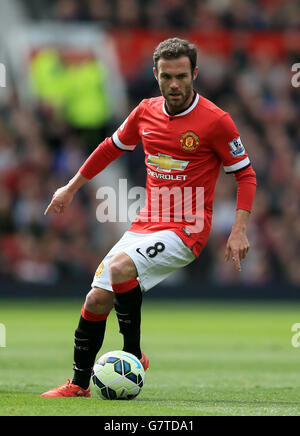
x: 100, y: 269
x: 189, y: 141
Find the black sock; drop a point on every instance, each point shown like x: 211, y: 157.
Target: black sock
x: 89, y: 337
x: 128, y: 309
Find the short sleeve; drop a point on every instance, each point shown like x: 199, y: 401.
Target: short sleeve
x: 127, y: 136
x: 228, y: 145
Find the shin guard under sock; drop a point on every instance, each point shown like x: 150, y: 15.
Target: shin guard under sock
x: 89, y: 337
x: 128, y: 302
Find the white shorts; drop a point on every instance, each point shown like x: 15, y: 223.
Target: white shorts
x: 155, y: 255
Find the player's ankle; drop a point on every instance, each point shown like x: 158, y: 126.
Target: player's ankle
x: 82, y: 377
x: 135, y: 351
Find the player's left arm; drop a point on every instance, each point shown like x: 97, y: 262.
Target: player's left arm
x: 238, y: 245
x: 228, y: 145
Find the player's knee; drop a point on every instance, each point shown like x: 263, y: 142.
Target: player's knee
x: 99, y: 301
x: 122, y: 268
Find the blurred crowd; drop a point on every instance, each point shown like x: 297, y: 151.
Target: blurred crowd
x: 39, y: 153
x: 204, y: 15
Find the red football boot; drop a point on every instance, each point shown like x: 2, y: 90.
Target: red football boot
x: 144, y: 361
x: 68, y: 390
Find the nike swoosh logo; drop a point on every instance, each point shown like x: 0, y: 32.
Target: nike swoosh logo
x: 138, y: 251
x: 146, y: 133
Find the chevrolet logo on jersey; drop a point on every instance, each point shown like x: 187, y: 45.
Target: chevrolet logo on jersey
x: 164, y: 162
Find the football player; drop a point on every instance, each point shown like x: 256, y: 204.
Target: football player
x: 186, y: 140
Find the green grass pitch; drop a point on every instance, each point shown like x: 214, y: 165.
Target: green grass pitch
x: 205, y: 359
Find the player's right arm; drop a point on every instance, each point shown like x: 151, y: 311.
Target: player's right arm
x: 64, y: 195
x: 124, y: 139
x: 104, y: 154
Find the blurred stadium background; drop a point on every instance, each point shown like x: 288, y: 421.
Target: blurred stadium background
x: 74, y: 70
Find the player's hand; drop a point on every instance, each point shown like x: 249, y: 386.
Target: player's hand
x: 237, y: 248
x: 60, y: 200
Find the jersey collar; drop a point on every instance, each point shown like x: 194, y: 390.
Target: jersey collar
x: 181, y: 114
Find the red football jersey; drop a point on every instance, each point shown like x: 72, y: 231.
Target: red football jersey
x: 183, y: 156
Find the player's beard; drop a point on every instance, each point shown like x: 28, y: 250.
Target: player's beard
x: 179, y: 104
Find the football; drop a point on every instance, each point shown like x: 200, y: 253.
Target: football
x: 118, y: 375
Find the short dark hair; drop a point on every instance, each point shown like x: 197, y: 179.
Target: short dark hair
x: 174, y: 48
